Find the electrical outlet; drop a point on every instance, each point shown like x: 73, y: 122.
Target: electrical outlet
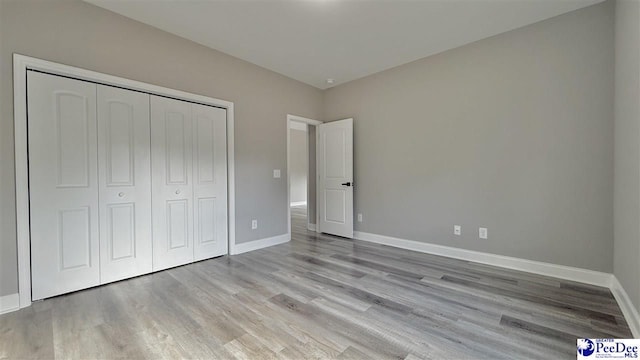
x: 359, y: 217
x: 254, y: 224
x: 483, y: 233
x: 276, y: 173
x: 457, y: 230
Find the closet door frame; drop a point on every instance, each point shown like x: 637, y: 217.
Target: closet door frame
x: 22, y: 64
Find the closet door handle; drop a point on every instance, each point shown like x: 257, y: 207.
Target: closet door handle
x: 121, y: 195
x: 347, y: 183
x: 178, y: 192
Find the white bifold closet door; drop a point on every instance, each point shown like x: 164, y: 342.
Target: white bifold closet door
x: 210, y: 181
x: 189, y: 182
x: 63, y: 184
x: 124, y: 163
x: 121, y: 183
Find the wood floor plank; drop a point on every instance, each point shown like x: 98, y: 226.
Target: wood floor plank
x: 27, y: 334
x: 318, y: 297
x: 555, y: 303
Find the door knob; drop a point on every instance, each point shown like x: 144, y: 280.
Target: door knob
x: 347, y: 184
x: 121, y: 194
x: 177, y: 191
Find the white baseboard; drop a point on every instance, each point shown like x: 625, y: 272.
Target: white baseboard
x: 558, y: 271
x: 628, y: 309
x: 311, y: 227
x: 260, y: 244
x: 298, y: 203
x: 9, y: 303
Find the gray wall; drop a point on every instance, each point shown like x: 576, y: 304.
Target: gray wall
x: 299, y: 161
x: 82, y: 35
x: 513, y: 133
x: 627, y: 148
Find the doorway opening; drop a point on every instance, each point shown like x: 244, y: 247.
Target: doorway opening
x: 301, y: 174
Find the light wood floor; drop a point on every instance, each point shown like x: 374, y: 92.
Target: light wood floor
x: 318, y: 297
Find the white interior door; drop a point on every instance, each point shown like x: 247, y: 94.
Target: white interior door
x: 63, y: 182
x: 210, y: 181
x: 335, y: 177
x: 124, y: 164
x: 172, y: 186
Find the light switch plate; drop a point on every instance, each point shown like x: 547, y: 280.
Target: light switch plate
x: 276, y: 173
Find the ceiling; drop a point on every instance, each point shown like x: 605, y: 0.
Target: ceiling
x: 314, y: 40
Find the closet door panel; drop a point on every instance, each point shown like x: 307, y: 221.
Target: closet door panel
x: 172, y: 159
x: 63, y: 182
x: 124, y: 156
x: 210, y: 181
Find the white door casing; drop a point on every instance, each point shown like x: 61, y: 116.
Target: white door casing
x: 291, y: 119
x: 335, y: 177
x: 124, y: 168
x: 209, y: 181
x: 172, y: 186
x: 63, y: 179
